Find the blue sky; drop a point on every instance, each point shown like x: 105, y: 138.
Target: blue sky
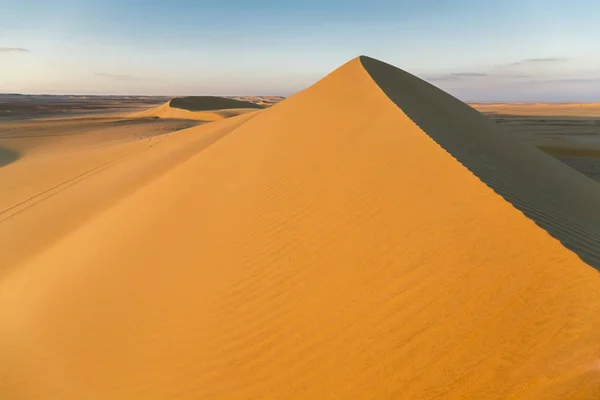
x: 511, y: 50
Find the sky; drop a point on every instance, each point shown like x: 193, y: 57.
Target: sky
x: 484, y: 50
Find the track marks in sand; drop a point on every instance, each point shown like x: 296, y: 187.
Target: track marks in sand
x: 31, y: 201
x: 32, y: 224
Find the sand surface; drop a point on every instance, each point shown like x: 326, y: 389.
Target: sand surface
x: 369, y: 237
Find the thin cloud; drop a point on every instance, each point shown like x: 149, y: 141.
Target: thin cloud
x: 456, y: 76
x: 113, y: 76
x: 530, y: 61
x: 13, y: 50
x: 467, y: 75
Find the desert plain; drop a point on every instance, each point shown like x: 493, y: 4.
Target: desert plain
x: 368, y: 237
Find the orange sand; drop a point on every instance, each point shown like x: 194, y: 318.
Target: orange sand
x: 324, y: 248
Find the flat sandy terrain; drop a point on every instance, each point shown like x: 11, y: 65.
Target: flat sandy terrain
x: 16, y: 106
x: 541, y: 109
x: 368, y: 237
x: 572, y: 135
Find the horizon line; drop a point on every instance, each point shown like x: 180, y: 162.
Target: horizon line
x: 284, y: 96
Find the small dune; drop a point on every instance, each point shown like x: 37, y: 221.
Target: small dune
x: 210, y: 103
x: 201, y: 108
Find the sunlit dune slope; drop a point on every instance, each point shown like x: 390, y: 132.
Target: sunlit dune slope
x: 203, y: 108
x: 328, y: 247
x: 63, y: 181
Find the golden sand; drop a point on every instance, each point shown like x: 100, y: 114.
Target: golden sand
x: 324, y: 248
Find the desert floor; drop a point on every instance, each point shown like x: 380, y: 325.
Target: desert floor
x: 368, y: 237
x: 19, y: 107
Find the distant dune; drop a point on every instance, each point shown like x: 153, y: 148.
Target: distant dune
x: 368, y: 237
x: 209, y: 103
x: 203, y: 108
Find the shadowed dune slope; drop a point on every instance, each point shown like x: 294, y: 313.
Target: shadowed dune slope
x: 559, y: 199
x: 210, y: 103
x: 327, y: 248
x: 7, y: 156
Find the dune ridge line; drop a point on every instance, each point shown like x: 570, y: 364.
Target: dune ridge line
x: 558, y: 199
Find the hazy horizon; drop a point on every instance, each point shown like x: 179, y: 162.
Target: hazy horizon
x: 500, y: 101
x: 514, y: 51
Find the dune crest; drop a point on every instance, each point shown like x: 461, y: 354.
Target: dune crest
x: 332, y: 246
x: 559, y: 199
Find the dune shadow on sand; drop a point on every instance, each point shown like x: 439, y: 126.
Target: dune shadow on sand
x: 557, y: 198
x: 8, y: 156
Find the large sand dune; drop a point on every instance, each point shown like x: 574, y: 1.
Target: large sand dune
x: 369, y: 237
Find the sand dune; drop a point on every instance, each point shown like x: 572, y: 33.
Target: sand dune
x: 556, y: 198
x: 201, y: 108
x: 61, y: 182
x: 369, y: 237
